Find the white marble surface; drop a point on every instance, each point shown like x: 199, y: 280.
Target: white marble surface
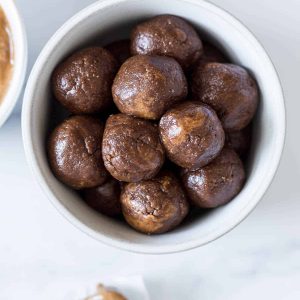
x: 42, y: 256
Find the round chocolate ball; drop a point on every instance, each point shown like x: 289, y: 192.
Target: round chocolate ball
x: 230, y: 90
x: 131, y: 148
x: 192, y: 134
x: 212, y: 54
x: 169, y: 36
x: 74, y: 150
x: 105, y: 198
x: 218, y: 182
x: 154, y: 206
x: 82, y: 83
x: 120, y: 50
x: 146, y: 86
x: 240, y: 141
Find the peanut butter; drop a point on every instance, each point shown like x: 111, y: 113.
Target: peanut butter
x: 105, y: 294
x: 6, y: 55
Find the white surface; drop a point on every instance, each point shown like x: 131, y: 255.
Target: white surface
x: 131, y: 287
x: 239, y: 44
x: 260, y: 259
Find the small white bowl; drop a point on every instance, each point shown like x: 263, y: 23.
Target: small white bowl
x: 109, y: 20
x: 19, y: 41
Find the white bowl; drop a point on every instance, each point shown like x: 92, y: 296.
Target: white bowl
x: 19, y: 42
x: 110, y: 20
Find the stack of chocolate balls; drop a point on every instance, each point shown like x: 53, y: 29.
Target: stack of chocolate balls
x: 179, y: 134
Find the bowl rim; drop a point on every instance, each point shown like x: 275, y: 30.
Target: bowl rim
x: 126, y: 245
x: 16, y: 82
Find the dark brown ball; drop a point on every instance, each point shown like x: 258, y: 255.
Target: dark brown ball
x: 74, y: 151
x: 217, y: 183
x: 169, y: 36
x: 131, y: 148
x: 240, y: 141
x: 105, y: 198
x: 82, y: 83
x: 212, y: 54
x: 146, y: 86
x: 154, y: 206
x: 120, y: 50
x: 230, y: 90
x: 192, y: 134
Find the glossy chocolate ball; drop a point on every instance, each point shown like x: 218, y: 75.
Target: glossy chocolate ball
x: 74, y: 150
x: 82, y: 83
x: 169, y: 36
x: 154, y: 206
x: 120, y: 50
x: 146, y: 86
x: 230, y: 90
x: 218, y: 182
x: 192, y: 134
x: 105, y: 198
x: 132, y: 150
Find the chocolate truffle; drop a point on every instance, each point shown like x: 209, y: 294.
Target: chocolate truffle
x: 240, y: 141
x: 74, y: 150
x: 154, y: 206
x: 192, y: 134
x: 217, y: 183
x: 120, y: 50
x: 230, y: 90
x: 146, y: 86
x: 211, y: 54
x: 131, y: 148
x: 169, y: 36
x: 82, y: 83
x: 105, y: 198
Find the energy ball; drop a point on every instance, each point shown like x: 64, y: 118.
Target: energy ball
x: 229, y: 90
x: 192, y: 134
x: 82, y: 83
x: 154, y: 206
x: 169, y: 36
x: 105, y: 198
x: 131, y: 148
x: 240, y: 141
x: 120, y: 50
x: 146, y: 86
x: 74, y: 150
x: 217, y: 183
x: 212, y: 54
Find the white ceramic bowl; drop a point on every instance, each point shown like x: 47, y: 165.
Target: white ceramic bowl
x: 110, y: 20
x: 19, y: 41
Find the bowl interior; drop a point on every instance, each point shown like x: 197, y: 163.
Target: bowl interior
x: 106, y: 21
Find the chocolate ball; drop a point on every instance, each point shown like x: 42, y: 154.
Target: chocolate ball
x: 218, y: 182
x: 192, y: 134
x: 154, y: 206
x: 212, y: 54
x: 105, y: 198
x: 131, y: 148
x: 146, y: 86
x: 74, y: 150
x: 240, y: 141
x: 169, y: 36
x: 230, y: 90
x: 82, y: 82
x: 120, y: 50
